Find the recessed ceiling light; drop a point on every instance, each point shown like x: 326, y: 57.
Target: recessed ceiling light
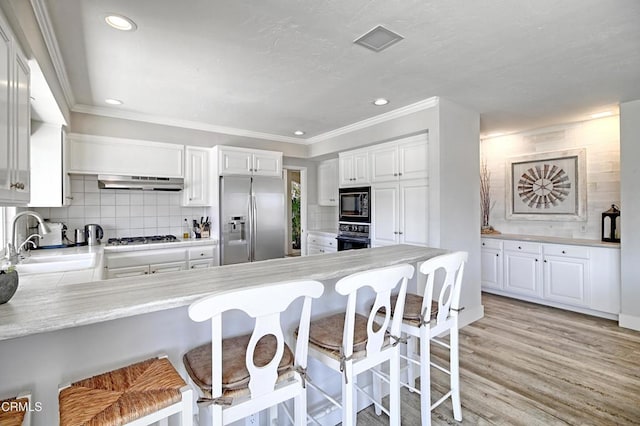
x: 120, y: 22
x: 602, y: 114
x: 298, y: 133
x: 380, y: 101
x: 113, y: 101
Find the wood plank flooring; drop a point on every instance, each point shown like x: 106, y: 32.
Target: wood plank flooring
x: 527, y: 364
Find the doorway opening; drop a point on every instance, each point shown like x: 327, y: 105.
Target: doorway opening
x: 296, y: 210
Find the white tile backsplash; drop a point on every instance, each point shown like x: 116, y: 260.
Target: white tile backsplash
x: 322, y: 217
x: 123, y: 213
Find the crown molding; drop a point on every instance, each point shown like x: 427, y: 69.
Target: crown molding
x: 50, y: 40
x: 187, y: 124
x: 381, y: 118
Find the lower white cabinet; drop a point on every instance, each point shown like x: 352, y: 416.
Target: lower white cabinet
x: 586, y: 278
x: 130, y: 271
x: 321, y: 243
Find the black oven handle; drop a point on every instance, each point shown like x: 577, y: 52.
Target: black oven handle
x: 353, y: 239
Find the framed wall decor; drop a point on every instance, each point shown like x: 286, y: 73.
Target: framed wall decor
x: 547, y: 186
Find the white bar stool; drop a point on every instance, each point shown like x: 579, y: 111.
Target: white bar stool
x: 351, y: 343
x: 429, y: 320
x: 16, y: 411
x: 244, y: 375
x: 139, y: 394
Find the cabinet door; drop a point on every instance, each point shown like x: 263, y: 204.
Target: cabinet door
x: 414, y: 213
x: 313, y: 249
x: 491, y: 268
x: 22, y: 129
x: 361, y: 168
x: 384, y: 164
x: 566, y: 280
x: 385, y: 205
x: 162, y: 268
x: 6, y: 163
x: 201, y: 264
x: 196, y: 174
x: 328, y: 183
x: 412, y: 157
x: 267, y: 164
x: 132, y: 271
x: 235, y: 162
x: 346, y: 170
x: 522, y: 273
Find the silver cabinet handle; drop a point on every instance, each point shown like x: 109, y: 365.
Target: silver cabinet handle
x: 395, y: 174
x: 399, y: 174
x: 401, y: 233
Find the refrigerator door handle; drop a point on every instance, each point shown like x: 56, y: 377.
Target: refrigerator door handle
x: 254, y: 215
x: 250, y: 229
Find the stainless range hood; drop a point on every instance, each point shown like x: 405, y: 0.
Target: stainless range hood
x: 145, y: 183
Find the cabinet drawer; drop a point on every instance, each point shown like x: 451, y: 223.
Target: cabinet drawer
x: 491, y: 243
x: 322, y: 240
x: 569, y: 251
x: 204, y: 252
x: 522, y: 246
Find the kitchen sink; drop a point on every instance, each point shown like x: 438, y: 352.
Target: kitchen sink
x: 59, y: 263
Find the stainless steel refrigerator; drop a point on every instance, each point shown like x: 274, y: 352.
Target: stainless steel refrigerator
x: 252, y: 219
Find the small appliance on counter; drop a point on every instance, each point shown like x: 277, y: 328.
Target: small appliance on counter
x: 80, y: 237
x: 56, y: 237
x: 93, y: 234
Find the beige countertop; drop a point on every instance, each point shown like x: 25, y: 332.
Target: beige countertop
x: 552, y: 240
x: 39, y: 307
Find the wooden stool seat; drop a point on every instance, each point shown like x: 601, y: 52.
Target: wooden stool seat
x: 235, y: 375
x: 121, y: 396
x: 413, y: 311
x: 327, y: 332
x: 14, y: 411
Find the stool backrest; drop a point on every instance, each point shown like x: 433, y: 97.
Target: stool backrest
x: 382, y: 281
x: 265, y: 305
x: 449, y: 297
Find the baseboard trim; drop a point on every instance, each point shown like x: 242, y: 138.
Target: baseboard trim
x: 629, y: 321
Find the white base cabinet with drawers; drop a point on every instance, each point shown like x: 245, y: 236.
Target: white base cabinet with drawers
x: 321, y: 243
x: 575, y: 277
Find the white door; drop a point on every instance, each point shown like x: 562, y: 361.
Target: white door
x: 23, y: 129
x: 235, y: 162
x: 385, y: 222
x: 566, y: 280
x: 132, y: 271
x: 346, y: 170
x: 196, y: 184
x: 361, y: 168
x: 162, y: 268
x: 522, y: 273
x: 491, y: 268
x: 384, y: 164
x: 267, y: 164
x: 413, y: 159
x: 5, y: 140
x: 414, y: 212
x: 328, y: 183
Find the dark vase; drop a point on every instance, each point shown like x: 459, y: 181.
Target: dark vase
x: 8, y: 285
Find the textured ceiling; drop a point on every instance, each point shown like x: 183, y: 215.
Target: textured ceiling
x: 274, y: 66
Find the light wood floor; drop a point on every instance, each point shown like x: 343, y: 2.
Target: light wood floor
x: 527, y: 364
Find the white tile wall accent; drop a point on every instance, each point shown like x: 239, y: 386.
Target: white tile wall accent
x: 322, y: 217
x: 600, y: 137
x: 123, y: 213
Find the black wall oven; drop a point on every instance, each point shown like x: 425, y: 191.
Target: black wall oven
x: 353, y: 236
x: 355, y: 204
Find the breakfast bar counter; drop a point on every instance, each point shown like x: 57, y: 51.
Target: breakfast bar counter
x: 50, y: 335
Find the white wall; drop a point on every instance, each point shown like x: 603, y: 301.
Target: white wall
x: 630, y: 194
x: 600, y: 137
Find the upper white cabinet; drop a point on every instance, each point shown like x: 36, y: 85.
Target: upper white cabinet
x: 402, y: 159
x: 50, y: 182
x: 328, y: 183
x: 14, y: 120
x: 106, y: 155
x: 400, y: 213
x: 196, y: 176
x: 354, y: 167
x: 242, y: 161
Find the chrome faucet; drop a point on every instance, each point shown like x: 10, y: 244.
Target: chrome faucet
x: 12, y: 254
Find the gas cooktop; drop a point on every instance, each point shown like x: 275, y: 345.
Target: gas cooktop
x: 124, y: 241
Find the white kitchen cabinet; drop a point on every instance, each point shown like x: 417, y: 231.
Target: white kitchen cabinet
x: 115, y: 156
x: 328, y: 183
x: 130, y: 271
x: 196, y: 176
x: 162, y: 268
x: 571, y: 276
x: 201, y: 264
x: 400, y: 213
x: 203, y: 257
x: 400, y: 160
x: 491, y: 264
x: 241, y: 161
x: 50, y: 182
x: 354, y: 168
x: 522, y: 268
x: 321, y: 243
x: 14, y: 120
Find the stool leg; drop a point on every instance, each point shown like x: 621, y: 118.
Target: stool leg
x: 425, y: 376
x: 377, y: 390
x: 300, y: 408
x: 273, y: 415
x: 186, y: 416
x: 411, y: 367
x: 163, y: 422
x: 348, y: 397
x: 454, y: 368
x: 394, y: 388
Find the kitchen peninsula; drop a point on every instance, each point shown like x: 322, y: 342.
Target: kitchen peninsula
x: 50, y: 336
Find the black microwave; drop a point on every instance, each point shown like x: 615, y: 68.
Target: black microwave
x: 355, y: 204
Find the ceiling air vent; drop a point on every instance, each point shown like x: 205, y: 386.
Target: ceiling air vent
x: 378, y: 39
